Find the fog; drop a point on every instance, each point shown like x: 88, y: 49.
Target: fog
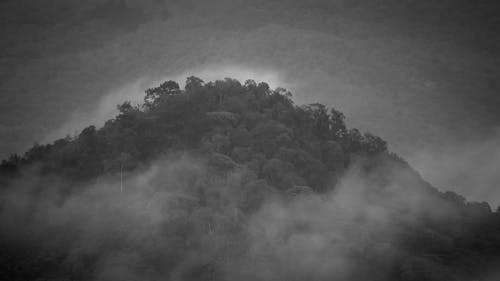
x: 465, y: 165
x: 422, y: 75
x: 179, y: 219
x: 468, y: 167
x: 105, y: 108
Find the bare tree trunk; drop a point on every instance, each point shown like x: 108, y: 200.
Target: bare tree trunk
x: 121, y: 177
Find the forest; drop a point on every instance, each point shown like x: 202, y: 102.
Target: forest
x: 226, y: 180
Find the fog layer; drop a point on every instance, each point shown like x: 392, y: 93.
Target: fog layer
x: 421, y: 74
x: 180, y: 219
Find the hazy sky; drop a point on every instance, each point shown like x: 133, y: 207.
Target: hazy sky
x: 421, y: 74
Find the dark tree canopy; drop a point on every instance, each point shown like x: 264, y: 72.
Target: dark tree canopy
x: 283, y: 148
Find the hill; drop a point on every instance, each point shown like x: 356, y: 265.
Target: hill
x: 231, y: 181
x: 421, y: 75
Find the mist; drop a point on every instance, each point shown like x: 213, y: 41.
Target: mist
x: 421, y: 75
x: 106, y: 107
x: 178, y: 219
x: 467, y: 167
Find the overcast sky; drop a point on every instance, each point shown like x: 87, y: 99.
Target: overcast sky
x: 421, y: 74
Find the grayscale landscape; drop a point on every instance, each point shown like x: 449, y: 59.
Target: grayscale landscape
x: 249, y: 140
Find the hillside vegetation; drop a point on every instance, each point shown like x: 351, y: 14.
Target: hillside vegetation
x: 231, y: 181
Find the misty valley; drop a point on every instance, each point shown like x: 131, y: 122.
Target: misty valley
x: 230, y: 180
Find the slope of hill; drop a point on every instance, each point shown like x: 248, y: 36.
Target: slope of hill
x: 231, y: 181
x: 422, y: 75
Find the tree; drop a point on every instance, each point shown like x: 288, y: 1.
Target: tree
x: 10, y: 166
x: 373, y: 144
x: 125, y: 107
x: 123, y: 159
x: 250, y: 84
x: 319, y: 114
x: 252, y: 146
x: 193, y: 83
x: 337, y: 123
x: 155, y: 95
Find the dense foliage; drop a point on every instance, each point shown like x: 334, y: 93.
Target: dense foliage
x: 249, y: 123
x: 254, y: 146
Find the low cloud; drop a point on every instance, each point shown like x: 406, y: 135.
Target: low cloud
x: 181, y: 220
x: 105, y: 108
x: 467, y: 167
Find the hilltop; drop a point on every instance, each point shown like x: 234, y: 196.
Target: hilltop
x: 231, y: 181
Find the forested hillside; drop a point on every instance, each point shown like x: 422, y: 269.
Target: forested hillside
x: 231, y: 181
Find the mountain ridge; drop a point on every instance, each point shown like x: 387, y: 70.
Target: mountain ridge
x: 222, y: 174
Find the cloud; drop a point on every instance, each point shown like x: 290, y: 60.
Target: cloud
x: 180, y: 220
x: 105, y: 108
x: 468, y: 167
